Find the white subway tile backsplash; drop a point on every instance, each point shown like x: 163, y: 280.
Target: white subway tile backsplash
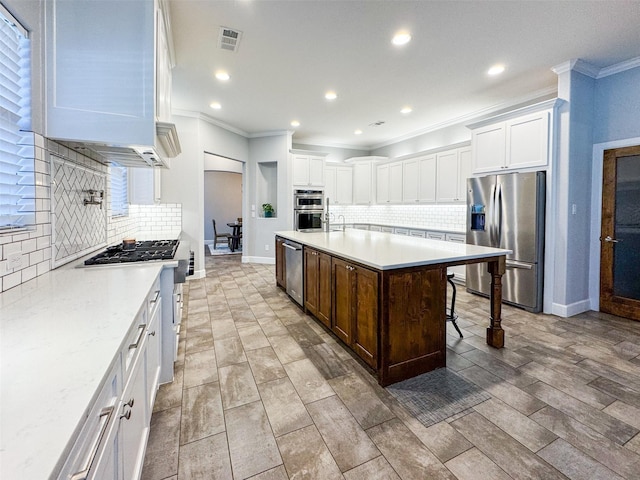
x: 436, y: 217
x: 35, y: 245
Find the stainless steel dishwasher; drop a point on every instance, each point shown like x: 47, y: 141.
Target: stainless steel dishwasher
x: 293, y: 261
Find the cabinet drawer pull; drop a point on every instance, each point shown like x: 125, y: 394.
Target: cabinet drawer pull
x: 140, y: 333
x: 105, y: 416
x: 155, y: 299
x: 126, y: 415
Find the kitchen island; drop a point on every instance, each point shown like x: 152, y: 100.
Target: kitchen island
x: 384, y: 295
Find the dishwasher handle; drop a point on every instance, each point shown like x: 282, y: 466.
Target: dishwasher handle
x: 291, y: 247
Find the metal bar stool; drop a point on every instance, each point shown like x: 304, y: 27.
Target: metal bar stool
x: 451, y: 314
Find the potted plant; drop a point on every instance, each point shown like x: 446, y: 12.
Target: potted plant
x: 267, y: 208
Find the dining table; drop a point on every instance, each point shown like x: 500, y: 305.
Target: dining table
x: 235, y: 235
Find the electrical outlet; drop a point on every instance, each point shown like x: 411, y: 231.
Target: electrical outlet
x: 266, y: 247
x: 14, y: 261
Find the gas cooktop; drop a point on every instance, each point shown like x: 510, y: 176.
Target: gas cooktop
x: 143, y: 252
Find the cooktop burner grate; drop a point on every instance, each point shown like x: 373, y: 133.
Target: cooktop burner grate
x: 144, y: 251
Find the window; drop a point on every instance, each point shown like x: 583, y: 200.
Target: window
x: 17, y: 182
x: 119, y: 191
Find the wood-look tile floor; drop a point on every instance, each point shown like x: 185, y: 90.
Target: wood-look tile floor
x: 261, y: 391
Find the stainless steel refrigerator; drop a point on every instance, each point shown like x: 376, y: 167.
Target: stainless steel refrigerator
x: 507, y: 211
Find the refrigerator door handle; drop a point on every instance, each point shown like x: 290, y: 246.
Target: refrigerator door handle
x: 498, y: 215
x: 492, y: 219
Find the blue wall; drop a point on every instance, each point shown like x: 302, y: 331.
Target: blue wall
x: 617, y: 107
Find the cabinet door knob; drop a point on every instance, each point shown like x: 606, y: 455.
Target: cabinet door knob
x: 129, y: 403
x: 126, y: 415
x: 153, y: 334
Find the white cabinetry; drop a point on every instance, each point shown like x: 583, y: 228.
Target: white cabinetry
x: 308, y: 170
x: 111, y: 445
x: 144, y: 186
x: 435, y: 235
x: 338, y: 185
x: 389, y: 183
x: 363, y: 183
x: 164, y: 65
x: 100, y: 76
x: 453, y: 168
x: 459, y: 270
x: 419, y: 180
x: 514, y: 143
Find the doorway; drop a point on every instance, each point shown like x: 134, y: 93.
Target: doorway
x: 223, y: 201
x: 620, y: 233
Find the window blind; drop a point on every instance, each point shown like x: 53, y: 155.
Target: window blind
x: 17, y: 182
x: 119, y: 191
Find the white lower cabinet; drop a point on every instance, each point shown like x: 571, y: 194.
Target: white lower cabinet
x: 435, y: 235
x: 460, y: 271
x: 133, y: 427
x: 112, y: 443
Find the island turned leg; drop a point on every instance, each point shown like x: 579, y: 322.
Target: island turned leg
x: 495, y: 333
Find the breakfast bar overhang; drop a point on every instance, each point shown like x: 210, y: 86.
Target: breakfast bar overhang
x: 384, y: 295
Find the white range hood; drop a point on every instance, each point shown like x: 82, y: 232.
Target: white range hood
x: 167, y: 146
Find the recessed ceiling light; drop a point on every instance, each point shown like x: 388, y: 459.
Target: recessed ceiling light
x: 496, y: 70
x: 295, y: 123
x: 331, y: 95
x: 406, y: 110
x: 215, y: 105
x: 222, y: 75
x: 358, y: 132
x: 401, y: 38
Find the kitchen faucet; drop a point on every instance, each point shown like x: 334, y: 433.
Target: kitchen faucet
x: 327, y: 218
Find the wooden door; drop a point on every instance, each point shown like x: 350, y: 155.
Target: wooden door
x: 365, y: 332
x: 324, y: 289
x: 343, y: 298
x: 620, y: 233
x: 311, y: 279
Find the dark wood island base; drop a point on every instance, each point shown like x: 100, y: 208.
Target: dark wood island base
x: 393, y: 319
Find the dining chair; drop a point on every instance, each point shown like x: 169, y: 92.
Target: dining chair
x: 226, y: 237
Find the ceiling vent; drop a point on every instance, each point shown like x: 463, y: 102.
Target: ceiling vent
x: 229, y: 39
x: 377, y: 124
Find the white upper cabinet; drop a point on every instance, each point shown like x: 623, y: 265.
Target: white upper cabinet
x: 100, y: 71
x: 419, y: 180
x: 344, y: 185
x: 527, y: 141
x: 389, y: 183
x: 453, y: 168
x: 163, y: 68
x: 363, y: 183
x: 308, y: 170
x: 515, y: 143
x: 338, y: 184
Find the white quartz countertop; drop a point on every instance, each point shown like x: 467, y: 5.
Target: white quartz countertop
x: 59, y: 334
x: 386, y: 251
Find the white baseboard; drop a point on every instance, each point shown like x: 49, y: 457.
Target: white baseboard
x: 197, y: 274
x: 266, y: 260
x: 571, y: 309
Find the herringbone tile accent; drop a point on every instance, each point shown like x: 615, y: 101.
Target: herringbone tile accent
x: 77, y: 228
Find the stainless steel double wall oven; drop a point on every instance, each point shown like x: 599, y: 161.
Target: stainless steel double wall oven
x: 308, y: 210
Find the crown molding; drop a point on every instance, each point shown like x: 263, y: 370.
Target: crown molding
x: 206, y: 118
x: 592, y: 71
x: 619, y: 67
x: 470, y: 117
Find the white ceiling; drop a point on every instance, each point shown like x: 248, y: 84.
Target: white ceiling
x: 292, y: 52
